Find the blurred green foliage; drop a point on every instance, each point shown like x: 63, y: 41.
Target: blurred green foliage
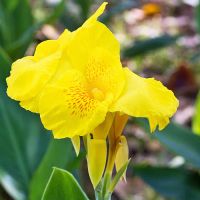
x: 142, y: 47
x: 17, y: 29
x: 174, y: 183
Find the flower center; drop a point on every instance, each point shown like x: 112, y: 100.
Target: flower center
x: 98, y: 94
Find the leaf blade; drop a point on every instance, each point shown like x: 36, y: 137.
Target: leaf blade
x: 144, y: 46
x: 62, y: 185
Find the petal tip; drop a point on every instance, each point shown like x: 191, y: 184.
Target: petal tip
x: 98, y: 13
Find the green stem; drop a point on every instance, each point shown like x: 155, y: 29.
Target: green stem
x: 101, y: 191
x: 106, y: 183
x: 111, y: 155
x: 99, y: 196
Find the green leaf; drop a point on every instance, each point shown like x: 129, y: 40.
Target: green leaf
x: 182, y: 141
x: 141, y: 47
x: 27, y: 150
x: 9, y: 185
x: 62, y: 185
x: 5, y: 63
x: 16, y: 29
x: 23, y: 141
x: 17, y: 26
x: 196, y: 118
x: 178, y: 139
x: 57, y: 11
x: 175, y: 183
x: 118, y: 176
x: 53, y: 157
x: 118, y: 8
x: 197, y: 17
x: 85, y: 7
x: 19, y: 46
x: 15, y: 19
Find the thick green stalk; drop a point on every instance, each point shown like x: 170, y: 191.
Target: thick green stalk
x: 99, y: 196
x: 101, y: 191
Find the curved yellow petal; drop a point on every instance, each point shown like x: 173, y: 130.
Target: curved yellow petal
x: 45, y: 49
x: 28, y: 77
x: 146, y: 98
x: 76, y: 143
x: 91, y: 35
x: 119, y: 123
x: 49, y: 47
x: 96, y: 158
x: 31, y: 104
x: 98, y: 58
x: 122, y: 154
x: 86, y: 39
x: 95, y: 16
x: 30, y: 74
x: 101, y: 131
x: 68, y: 107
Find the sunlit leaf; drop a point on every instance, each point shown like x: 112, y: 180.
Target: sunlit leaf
x: 53, y: 157
x: 196, y: 118
x: 62, y: 185
x: 118, y: 176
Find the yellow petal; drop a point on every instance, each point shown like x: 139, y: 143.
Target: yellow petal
x: 49, y: 47
x: 91, y: 35
x: 122, y: 154
x: 119, y: 123
x: 98, y: 57
x: 29, y: 77
x: 146, y: 98
x: 102, y: 130
x: 96, y: 158
x: 76, y: 143
x: 67, y: 107
x: 30, y: 74
x: 94, y: 17
x: 31, y: 104
x: 86, y: 40
x: 45, y: 48
x: 103, y: 72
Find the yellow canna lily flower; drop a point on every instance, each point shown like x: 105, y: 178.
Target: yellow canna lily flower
x: 29, y: 75
x: 79, y: 87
